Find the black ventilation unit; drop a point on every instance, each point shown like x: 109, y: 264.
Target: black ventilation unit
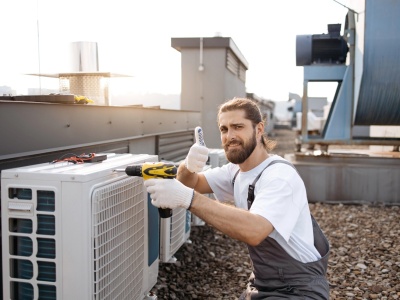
x: 328, y: 48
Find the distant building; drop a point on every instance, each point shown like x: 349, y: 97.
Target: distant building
x: 5, y: 91
x: 267, y: 108
x: 42, y: 91
x: 213, y: 71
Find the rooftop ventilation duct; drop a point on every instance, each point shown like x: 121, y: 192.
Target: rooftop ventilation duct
x: 84, y: 57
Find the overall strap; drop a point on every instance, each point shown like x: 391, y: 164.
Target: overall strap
x: 270, y: 164
x: 250, y: 193
x: 234, y: 177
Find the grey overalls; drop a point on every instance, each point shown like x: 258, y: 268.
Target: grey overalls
x: 276, y: 275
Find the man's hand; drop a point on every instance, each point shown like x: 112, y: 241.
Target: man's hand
x: 169, y: 193
x: 198, y: 153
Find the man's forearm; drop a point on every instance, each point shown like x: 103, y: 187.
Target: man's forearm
x: 186, y: 177
x: 237, y: 223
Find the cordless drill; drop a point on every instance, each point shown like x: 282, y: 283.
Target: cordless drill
x: 153, y: 170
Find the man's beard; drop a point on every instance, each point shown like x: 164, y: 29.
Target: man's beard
x: 239, y: 155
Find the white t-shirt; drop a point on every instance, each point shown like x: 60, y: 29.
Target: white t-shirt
x: 280, y: 197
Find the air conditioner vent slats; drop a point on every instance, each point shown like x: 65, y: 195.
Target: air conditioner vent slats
x: 118, y: 227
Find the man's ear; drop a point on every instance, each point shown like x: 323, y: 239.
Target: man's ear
x: 260, y: 128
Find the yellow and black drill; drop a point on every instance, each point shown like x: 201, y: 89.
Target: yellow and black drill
x: 153, y: 170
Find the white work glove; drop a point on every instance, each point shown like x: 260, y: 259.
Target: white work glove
x: 169, y: 193
x: 198, y: 153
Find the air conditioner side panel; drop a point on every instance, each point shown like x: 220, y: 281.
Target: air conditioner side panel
x: 77, y: 261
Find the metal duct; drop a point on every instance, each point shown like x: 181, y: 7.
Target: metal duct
x: 379, y: 98
x: 84, y: 57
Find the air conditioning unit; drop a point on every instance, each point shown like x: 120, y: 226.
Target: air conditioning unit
x: 78, y: 231
x: 174, y: 232
x: 217, y: 158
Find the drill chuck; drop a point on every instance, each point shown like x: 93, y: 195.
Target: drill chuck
x: 135, y: 170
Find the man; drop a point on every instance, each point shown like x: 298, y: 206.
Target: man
x: 288, y: 250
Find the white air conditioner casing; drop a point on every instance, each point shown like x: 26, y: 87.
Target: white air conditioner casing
x: 174, y: 232
x: 78, y: 231
x: 217, y: 158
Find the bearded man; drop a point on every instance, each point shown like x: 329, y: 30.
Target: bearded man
x: 288, y: 250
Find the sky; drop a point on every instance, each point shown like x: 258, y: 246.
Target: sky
x: 134, y: 38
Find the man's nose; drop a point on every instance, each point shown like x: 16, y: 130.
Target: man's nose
x: 230, y: 135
